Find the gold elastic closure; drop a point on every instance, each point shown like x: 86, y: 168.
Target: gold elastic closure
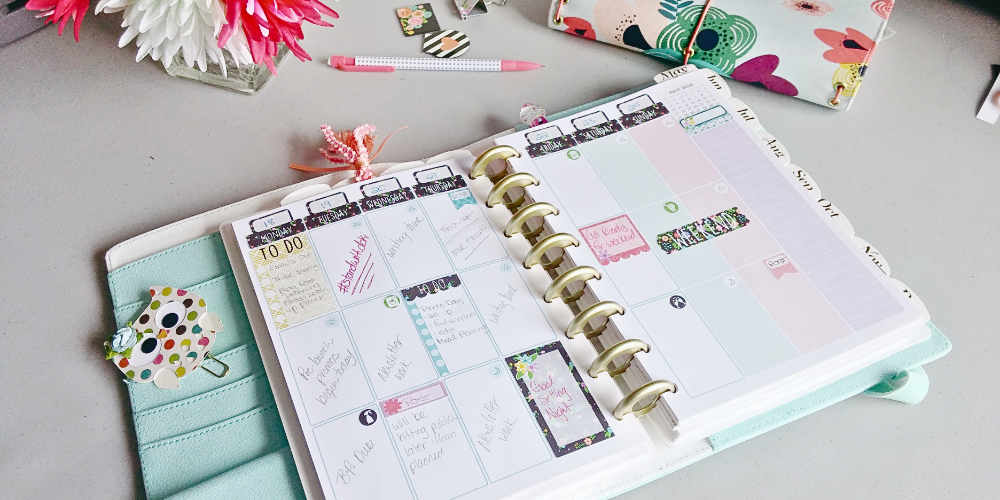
x: 835, y: 100
x: 558, y: 18
x: 655, y: 388
x: 630, y: 347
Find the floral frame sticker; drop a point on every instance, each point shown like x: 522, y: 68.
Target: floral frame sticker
x: 417, y: 19
x: 564, y: 409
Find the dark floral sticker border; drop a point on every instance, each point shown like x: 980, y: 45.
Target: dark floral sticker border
x: 520, y: 368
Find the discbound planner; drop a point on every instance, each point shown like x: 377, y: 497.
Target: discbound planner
x: 634, y: 277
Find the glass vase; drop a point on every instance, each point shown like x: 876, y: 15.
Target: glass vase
x: 245, y: 78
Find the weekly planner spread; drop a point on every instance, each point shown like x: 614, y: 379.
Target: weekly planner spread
x: 423, y: 363
x: 735, y: 276
x: 419, y: 362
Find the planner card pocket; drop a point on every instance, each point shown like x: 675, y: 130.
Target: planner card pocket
x: 182, y: 266
x: 173, y: 465
x: 205, y: 409
x: 271, y: 476
x: 243, y: 361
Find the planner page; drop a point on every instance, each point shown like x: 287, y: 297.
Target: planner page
x: 420, y: 359
x: 736, y: 279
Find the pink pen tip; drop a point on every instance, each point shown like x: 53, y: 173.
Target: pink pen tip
x: 518, y: 66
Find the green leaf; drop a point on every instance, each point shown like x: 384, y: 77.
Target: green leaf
x: 531, y: 375
x: 127, y: 352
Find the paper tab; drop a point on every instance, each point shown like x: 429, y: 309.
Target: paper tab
x: 674, y: 73
x: 745, y: 113
x: 806, y: 181
x: 837, y: 216
x: 775, y: 146
x: 872, y: 254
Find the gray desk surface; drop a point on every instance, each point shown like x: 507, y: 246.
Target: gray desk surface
x: 96, y: 148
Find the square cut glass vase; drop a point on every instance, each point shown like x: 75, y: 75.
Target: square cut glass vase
x: 246, y: 79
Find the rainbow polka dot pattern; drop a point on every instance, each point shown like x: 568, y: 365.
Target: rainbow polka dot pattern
x: 169, y: 339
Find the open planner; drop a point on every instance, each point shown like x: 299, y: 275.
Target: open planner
x: 573, y: 304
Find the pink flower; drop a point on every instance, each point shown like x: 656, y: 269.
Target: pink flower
x: 268, y: 23
x: 850, y: 48
x: 587, y: 441
x: 61, y: 11
x: 809, y: 7
x: 760, y: 71
x: 391, y: 407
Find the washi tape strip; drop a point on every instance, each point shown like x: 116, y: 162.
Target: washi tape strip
x: 446, y: 43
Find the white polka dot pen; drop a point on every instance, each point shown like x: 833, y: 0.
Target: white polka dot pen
x: 390, y: 64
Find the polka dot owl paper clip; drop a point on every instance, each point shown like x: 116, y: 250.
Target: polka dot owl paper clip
x: 170, y: 339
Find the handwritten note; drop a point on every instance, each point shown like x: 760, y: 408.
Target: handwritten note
x: 435, y: 451
x: 389, y: 347
x: 509, y: 308
x: 325, y: 367
x: 292, y: 282
x: 463, y: 228
x: 445, y: 316
x: 503, y: 433
x: 352, y: 260
x: 408, y: 243
x: 358, y: 458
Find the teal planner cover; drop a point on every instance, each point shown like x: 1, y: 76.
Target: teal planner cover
x: 222, y: 438
x: 212, y: 437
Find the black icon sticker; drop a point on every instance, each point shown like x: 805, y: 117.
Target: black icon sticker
x: 367, y: 417
x: 678, y: 302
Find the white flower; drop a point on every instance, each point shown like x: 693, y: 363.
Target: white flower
x: 161, y: 28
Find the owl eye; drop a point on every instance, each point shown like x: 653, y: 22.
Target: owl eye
x: 169, y: 315
x: 145, y: 351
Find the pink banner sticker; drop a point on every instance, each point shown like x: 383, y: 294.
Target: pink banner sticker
x: 413, y: 399
x: 614, y: 239
x: 780, y: 265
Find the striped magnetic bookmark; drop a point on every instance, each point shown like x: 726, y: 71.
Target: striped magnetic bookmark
x: 446, y: 43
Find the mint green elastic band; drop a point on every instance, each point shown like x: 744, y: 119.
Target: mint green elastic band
x: 908, y: 387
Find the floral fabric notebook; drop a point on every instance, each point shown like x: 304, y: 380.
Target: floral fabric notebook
x: 803, y: 48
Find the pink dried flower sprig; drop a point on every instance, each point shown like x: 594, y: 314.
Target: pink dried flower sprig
x: 350, y: 148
